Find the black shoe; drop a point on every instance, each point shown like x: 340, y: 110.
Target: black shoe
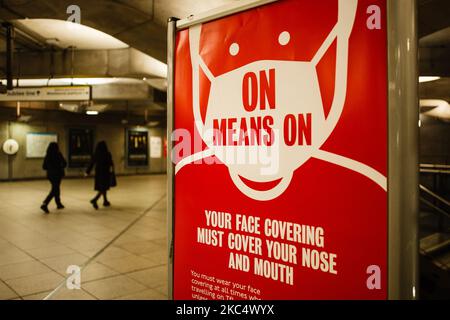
x: 60, y: 206
x: 45, y: 208
x: 94, y: 204
x: 106, y: 204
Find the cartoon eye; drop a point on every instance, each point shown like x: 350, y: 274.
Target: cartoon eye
x: 284, y: 38
x: 234, y: 49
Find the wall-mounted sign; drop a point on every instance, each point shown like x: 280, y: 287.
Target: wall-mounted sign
x: 10, y: 147
x: 285, y: 196
x: 37, y: 143
x: 81, y: 147
x: 70, y: 93
x: 155, y: 147
x: 137, y: 148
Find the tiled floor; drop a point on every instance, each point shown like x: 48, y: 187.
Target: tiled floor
x: 122, y: 249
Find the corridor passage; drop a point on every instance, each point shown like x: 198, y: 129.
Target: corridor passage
x: 121, y: 250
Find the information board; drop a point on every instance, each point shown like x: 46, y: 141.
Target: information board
x: 155, y: 147
x: 37, y: 143
x: 280, y: 152
x: 137, y: 148
x: 81, y: 147
x: 69, y: 93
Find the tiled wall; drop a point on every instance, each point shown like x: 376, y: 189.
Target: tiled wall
x: 20, y: 167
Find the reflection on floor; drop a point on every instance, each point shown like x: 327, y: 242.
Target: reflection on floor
x: 36, y: 249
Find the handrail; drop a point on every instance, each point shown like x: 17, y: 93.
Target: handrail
x: 434, y: 166
x: 434, y: 195
x: 435, y: 171
x: 445, y: 213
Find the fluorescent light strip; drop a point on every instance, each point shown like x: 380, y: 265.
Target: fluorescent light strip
x: 428, y: 79
x: 43, y: 82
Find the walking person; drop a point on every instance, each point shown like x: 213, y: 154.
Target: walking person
x: 104, y: 173
x: 54, y: 164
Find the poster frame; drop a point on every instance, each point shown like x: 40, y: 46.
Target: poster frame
x: 403, y: 139
x: 127, y: 130
x: 52, y: 134
x: 69, y: 131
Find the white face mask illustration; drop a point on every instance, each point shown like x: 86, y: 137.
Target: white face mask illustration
x: 284, y: 93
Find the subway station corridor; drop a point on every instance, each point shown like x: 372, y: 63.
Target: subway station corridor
x: 121, y: 249
x: 252, y: 150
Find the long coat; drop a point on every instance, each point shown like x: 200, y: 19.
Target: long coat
x: 103, y: 170
x: 54, y: 165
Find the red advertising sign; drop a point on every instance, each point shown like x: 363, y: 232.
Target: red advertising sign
x: 280, y: 151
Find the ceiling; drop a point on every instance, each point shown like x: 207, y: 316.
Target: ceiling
x: 439, y: 89
x: 141, y: 24
x: 434, y: 44
x: 64, y: 35
x: 440, y: 38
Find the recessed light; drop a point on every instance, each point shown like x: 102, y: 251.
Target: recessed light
x: 428, y: 79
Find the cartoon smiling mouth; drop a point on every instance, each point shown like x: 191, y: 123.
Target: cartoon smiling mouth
x: 260, y: 186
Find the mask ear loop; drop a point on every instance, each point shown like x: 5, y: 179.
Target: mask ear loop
x: 341, y: 32
x: 197, y: 62
x: 346, y: 18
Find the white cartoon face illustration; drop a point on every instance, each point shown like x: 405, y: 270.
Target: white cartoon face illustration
x: 287, y: 120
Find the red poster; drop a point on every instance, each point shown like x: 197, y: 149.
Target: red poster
x: 280, y: 147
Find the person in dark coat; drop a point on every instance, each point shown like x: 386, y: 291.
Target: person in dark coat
x: 54, y: 164
x: 104, y: 171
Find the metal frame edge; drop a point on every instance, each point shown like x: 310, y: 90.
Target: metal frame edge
x: 171, y: 38
x: 220, y: 12
x: 403, y: 142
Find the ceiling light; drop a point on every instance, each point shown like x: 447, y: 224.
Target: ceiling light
x: 428, y: 79
x: 97, y: 107
x: 153, y: 123
x: 23, y: 118
x: 92, y: 113
x: 43, y: 82
x: 71, y: 106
